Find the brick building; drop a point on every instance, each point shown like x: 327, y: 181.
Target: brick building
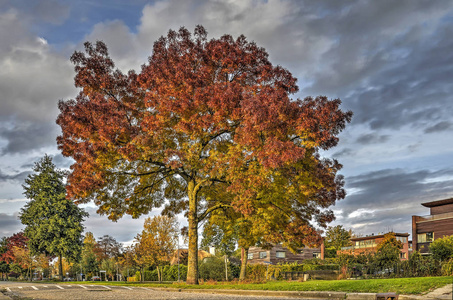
x: 279, y: 254
x: 368, y: 244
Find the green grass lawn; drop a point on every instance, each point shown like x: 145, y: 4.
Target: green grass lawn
x: 419, y: 285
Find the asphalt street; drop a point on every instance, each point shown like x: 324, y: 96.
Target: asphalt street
x: 87, y: 291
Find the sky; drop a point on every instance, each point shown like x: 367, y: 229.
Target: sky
x: 390, y: 62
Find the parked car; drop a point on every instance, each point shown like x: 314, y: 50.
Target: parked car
x: 68, y: 279
x: 95, y: 278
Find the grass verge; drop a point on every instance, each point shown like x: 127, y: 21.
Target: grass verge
x: 415, y: 286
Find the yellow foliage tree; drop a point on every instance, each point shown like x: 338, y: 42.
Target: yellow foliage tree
x: 157, y: 242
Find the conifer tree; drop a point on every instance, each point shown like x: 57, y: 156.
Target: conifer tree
x: 53, y: 222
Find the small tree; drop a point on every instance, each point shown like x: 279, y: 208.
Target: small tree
x: 18, y: 240
x: 157, y: 241
x: 388, y: 251
x: 337, y: 237
x: 53, y: 223
x: 442, y: 249
x: 107, y: 247
x: 89, y: 262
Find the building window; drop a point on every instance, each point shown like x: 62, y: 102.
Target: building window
x: 280, y: 254
x: 425, y: 237
x: 263, y: 254
x: 250, y: 256
x: 316, y: 255
x: 403, y: 255
x: 402, y: 239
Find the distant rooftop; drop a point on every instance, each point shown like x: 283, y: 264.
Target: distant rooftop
x: 373, y: 236
x: 438, y: 203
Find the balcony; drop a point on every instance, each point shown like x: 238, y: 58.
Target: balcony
x: 434, y: 217
x: 360, y: 246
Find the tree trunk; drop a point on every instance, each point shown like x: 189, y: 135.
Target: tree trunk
x: 244, y: 264
x: 60, y: 266
x: 159, y: 276
x: 192, y: 266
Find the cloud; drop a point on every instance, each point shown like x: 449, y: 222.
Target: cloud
x: 124, y: 230
x: 441, y: 126
x: 18, y: 177
x: 343, y: 152
x: 388, y: 198
x: 372, y: 138
x: 33, y: 77
x: 10, y: 224
x: 26, y: 136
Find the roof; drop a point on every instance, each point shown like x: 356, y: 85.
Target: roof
x: 368, y: 237
x: 438, y: 203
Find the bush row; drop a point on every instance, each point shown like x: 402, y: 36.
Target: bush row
x: 278, y: 272
x: 169, y: 273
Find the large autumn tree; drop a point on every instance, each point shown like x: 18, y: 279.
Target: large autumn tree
x: 202, y: 116
x: 53, y: 222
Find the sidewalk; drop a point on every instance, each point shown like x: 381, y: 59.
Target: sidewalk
x: 444, y: 293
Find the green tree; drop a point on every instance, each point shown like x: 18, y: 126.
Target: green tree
x: 337, y: 237
x: 90, y: 263
x: 202, y: 116
x: 442, y: 249
x: 53, y: 222
x: 388, y: 251
x: 4, y: 266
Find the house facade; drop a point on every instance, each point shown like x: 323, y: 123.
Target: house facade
x: 279, y: 254
x: 439, y: 223
x: 368, y: 245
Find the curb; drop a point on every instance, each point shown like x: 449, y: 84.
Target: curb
x: 297, y: 294
x: 288, y: 294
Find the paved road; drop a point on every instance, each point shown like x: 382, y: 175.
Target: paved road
x: 87, y: 291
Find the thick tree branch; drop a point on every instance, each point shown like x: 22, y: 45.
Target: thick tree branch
x: 211, y: 209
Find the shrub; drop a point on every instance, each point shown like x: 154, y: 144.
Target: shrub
x: 170, y: 273
x: 442, y: 249
x: 447, y: 268
x: 213, y: 268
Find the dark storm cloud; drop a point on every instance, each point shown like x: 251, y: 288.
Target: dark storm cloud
x: 48, y: 11
x: 10, y: 224
x: 388, y: 198
x: 391, y: 62
x: 372, y: 138
x: 18, y: 177
x: 25, y: 137
x: 441, y: 126
x: 344, y: 152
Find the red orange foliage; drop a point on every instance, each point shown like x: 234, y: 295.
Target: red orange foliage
x: 16, y: 241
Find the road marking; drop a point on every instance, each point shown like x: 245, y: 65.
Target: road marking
x: 59, y: 287
x: 45, y: 286
x: 147, y: 289
x: 127, y: 288
x: 20, y: 287
x: 106, y: 287
x: 83, y: 286
x: 34, y: 287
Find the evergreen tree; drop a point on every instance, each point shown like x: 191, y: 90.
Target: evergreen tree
x: 53, y: 223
